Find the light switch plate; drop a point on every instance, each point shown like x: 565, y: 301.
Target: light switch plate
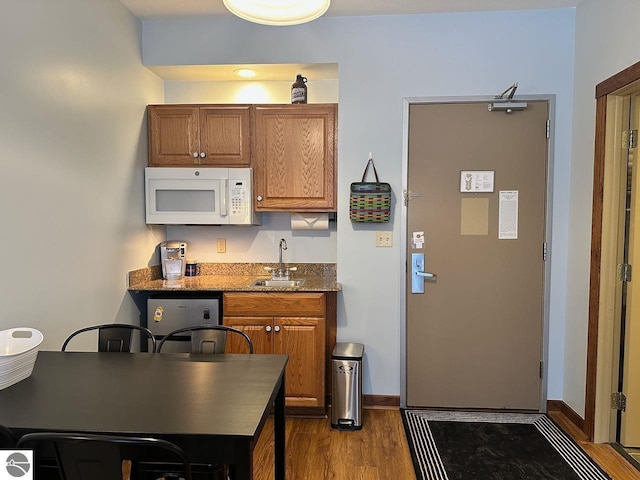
x: 222, y: 245
x: 384, y: 239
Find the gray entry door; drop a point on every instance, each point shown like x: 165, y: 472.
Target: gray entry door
x: 474, y: 337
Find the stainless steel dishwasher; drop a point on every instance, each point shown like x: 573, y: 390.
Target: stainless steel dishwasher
x: 166, y: 314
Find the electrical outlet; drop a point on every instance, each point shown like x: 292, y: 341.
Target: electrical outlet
x: 384, y: 239
x: 222, y: 245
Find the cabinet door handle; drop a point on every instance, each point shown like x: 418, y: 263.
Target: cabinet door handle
x: 259, y: 198
x: 195, y: 154
x: 202, y: 154
x: 277, y: 328
x: 268, y: 328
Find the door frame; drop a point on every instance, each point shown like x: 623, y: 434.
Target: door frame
x: 407, y: 102
x: 602, y: 350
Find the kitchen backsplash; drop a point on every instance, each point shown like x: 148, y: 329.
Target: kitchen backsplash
x: 326, y: 270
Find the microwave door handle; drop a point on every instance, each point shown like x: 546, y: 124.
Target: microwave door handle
x: 224, y: 187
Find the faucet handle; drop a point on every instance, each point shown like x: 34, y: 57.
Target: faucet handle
x: 292, y: 269
x: 268, y: 269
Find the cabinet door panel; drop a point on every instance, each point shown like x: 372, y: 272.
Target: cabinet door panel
x: 295, y: 157
x: 225, y: 136
x: 303, y: 340
x: 256, y: 328
x: 173, y: 135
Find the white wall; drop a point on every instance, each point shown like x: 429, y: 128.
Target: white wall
x: 258, y: 243
x: 606, y: 43
x: 72, y: 147
x: 318, y: 91
x: 382, y: 60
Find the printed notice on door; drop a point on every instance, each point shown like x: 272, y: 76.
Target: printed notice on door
x: 508, y: 215
x: 473, y: 181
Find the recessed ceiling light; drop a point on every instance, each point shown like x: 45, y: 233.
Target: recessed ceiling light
x: 282, y: 12
x: 245, y: 72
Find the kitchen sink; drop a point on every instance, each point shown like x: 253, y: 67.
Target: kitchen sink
x: 267, y: 282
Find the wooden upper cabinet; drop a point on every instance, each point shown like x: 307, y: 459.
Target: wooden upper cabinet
x: 174, y: 135
x: 225, y: 136
x: 187, y: 135
x: 295, y: 157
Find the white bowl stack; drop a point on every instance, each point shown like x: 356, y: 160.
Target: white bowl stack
x: 18, y: 353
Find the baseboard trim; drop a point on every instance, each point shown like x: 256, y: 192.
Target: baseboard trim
x: 381, y: 401
x: 393, y: 402
x: 567, y: 411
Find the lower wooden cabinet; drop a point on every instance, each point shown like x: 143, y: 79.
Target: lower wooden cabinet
x: 294, y: 324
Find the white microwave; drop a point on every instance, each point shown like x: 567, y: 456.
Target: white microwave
x: 199, y: 196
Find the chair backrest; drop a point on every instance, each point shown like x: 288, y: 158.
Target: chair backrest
x: 7, y: 439
x: 82, y: 456
x: 114, y: 337
x: 206, y: 338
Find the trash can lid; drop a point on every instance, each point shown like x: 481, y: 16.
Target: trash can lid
x: 346, y: 350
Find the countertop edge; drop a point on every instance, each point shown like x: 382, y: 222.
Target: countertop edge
x: 149, y: 280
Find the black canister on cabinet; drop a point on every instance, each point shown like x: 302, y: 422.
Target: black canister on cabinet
x: 299, y: 90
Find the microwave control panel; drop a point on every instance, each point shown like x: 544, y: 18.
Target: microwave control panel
x: 239, y: 198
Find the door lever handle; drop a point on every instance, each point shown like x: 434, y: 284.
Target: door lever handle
x: 418, y: 274
x: 426, y: 274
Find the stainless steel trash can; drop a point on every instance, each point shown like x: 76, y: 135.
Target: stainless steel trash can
x: 346, y: 380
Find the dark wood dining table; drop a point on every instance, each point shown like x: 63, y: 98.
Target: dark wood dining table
x: 213, y: 406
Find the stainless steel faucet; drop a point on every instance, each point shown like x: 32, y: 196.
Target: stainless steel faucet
x: 281, y: 273
x: 281, y: 246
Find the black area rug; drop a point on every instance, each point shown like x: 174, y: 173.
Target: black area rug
x: 500, y: 446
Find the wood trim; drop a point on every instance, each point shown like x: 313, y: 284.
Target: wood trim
x: 381, y: 401
x: 618, y: 81
x: 331, y: 299
x: 567, y: 411
x: 596, y: 259
x: 305, y: 412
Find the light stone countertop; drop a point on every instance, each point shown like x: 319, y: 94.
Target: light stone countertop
x: 235, y: 277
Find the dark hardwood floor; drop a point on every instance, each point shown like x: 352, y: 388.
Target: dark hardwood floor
x: 315, y: 451
x: 605, y: 455
x: 379, y: 451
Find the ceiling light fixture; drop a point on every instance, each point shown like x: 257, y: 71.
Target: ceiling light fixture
x: 245, y: 72
x: 278, y: 12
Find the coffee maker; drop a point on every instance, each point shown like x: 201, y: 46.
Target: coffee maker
x: 173, y: 256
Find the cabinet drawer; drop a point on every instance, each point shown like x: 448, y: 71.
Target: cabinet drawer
x: 276, y: 304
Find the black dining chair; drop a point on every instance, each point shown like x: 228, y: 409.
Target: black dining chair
x: 205, y: 338
x: 80, y: 456
x: 7, y: 439
x: 114, y: 337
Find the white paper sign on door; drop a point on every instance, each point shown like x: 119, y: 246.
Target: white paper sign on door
x: 417, y: 239
x: 475, y: 181
x: 508, y: 215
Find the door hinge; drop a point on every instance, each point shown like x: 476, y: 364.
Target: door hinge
x: 623, y: 272
x: 544, y: 251
x: 409, y: 195
x: 541, y: 369
x: 629, y: 139
x: 548, y: 128
x: 619, y: 401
